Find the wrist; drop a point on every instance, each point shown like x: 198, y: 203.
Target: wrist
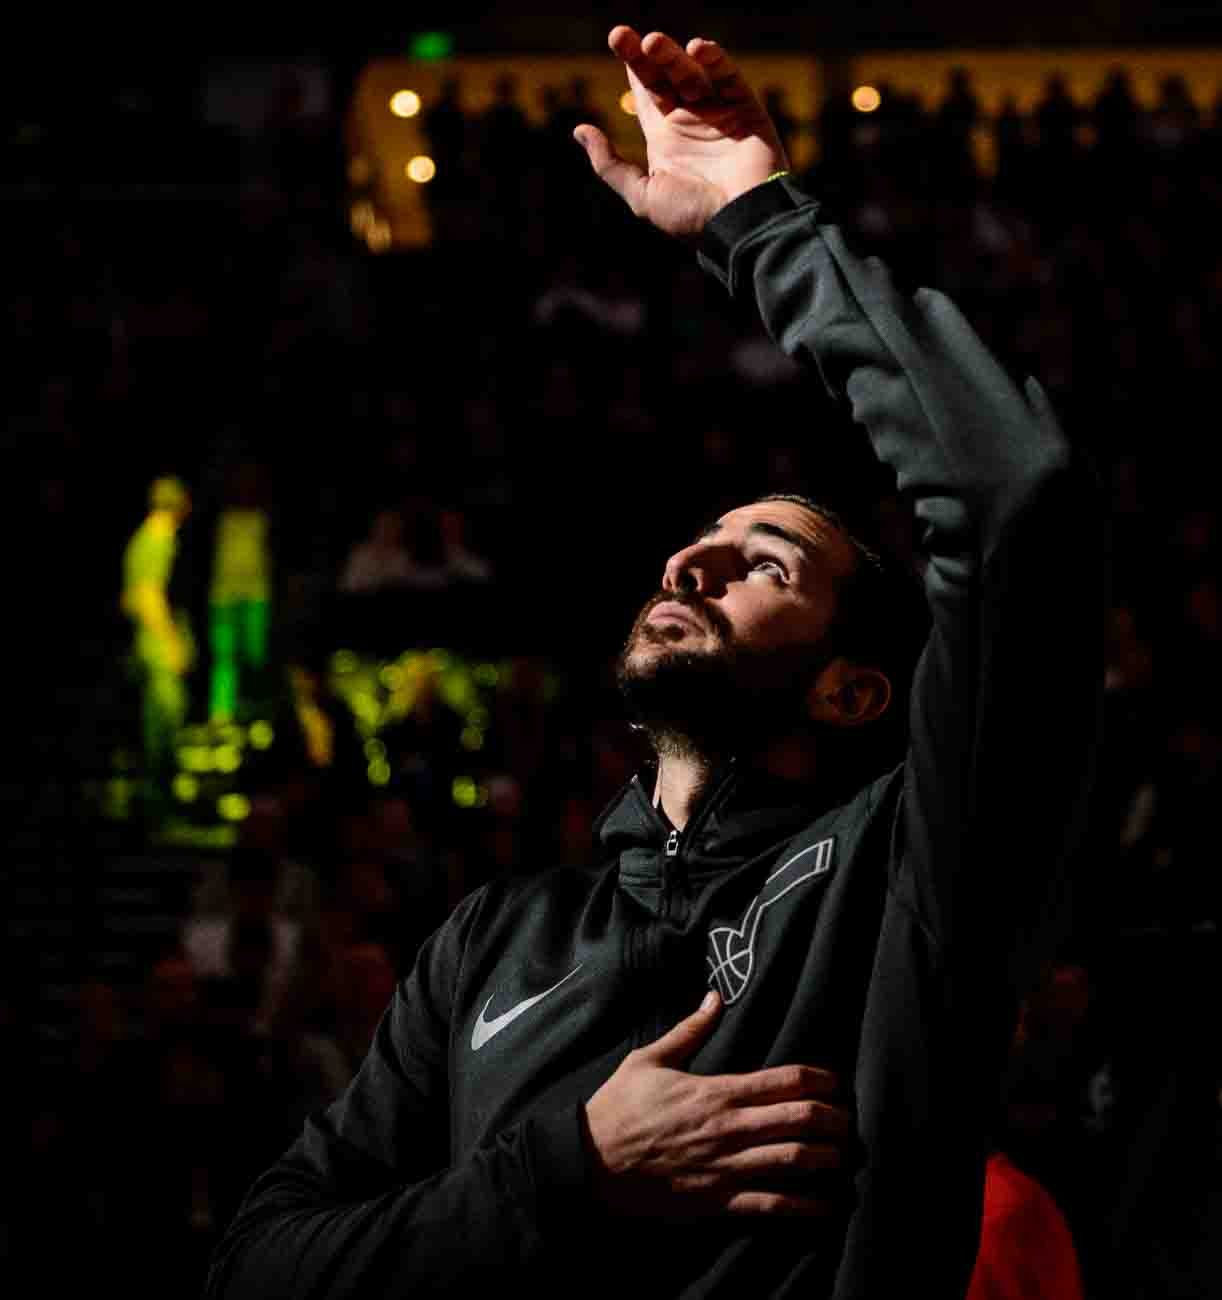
x: 773, y: 196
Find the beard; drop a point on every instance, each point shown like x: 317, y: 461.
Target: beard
x: 720, y: 699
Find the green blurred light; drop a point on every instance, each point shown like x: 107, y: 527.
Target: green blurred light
x: 227, y: 758
x: 195, y: 758
x: 472, y: 738
x: 233, y: 807
x: 261, y: 735
x: 374, y: 750
x: 465, y: 792
x: 379, y: 772
x: 431, y: 45
x: 486, y: 674
x: 118, y: 796
x: 478, y: 717
x: 391, y: 676
x: 185, y: 787
x: 344, y: 661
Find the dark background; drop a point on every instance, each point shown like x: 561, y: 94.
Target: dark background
x: 179, y: 299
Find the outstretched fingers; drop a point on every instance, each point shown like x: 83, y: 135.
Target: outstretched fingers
x: 681, y: 71
x: 722, y: 72
x: 661, y: 65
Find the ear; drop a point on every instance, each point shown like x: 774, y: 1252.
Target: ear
x: 848, y: 695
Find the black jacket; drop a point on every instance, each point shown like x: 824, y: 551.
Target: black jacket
x: 888, y: 937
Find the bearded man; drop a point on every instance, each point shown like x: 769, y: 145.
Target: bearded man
x: 530, y: 1116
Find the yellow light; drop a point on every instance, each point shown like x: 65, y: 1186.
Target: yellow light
x: 379, y: 772
x: 185, y: 787
x: 344, y: 661
x: 627, y: 103
x: 378, y: 237
x: 472, y: 738
x: 195, y: 758
x: 405, y: 103
x: 228, y: 758
x: 866, y: 99
x: 465, y: 792
x: 261, y: 735
x: 374, y: 750
x: 365, y: 706
x: 362, y: 217
x: 421, y: 169
x: 360, y: 170
x: 233, y: 807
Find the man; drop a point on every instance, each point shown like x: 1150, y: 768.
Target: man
x: 528, y: 1117
x: 163, y: 649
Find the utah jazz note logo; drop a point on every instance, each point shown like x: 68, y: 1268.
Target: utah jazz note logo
x: 732, y: 950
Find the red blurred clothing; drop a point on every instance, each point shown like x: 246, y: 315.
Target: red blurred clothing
x: 1026, y: 1250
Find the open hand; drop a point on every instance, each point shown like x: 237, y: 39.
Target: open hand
x: 683, y: 1145
x: 707, y: 137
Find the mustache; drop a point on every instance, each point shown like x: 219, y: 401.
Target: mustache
x: 710, y: 617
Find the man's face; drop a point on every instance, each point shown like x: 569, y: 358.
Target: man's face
x: 740, y: 621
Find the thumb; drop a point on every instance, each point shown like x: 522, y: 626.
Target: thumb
x: 677, y: 1045
x: 625, y: 178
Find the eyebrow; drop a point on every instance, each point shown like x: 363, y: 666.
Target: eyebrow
x: 768, y: 530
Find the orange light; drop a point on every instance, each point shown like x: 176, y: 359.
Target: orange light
x: 421, y: 169
x: 627, y: 103
x: 378, y: 237
x: 866, y: 99
x: 363, y: 216
x: 359, y: 170
x: 405, y: 103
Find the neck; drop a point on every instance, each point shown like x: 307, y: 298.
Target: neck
x: 684, y: 773
x: 682, y: 780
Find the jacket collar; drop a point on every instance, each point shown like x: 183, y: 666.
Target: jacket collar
x: 742, y: 814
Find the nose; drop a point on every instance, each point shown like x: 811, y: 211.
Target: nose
x: 689, y: 571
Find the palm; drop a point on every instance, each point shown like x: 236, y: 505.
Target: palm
x: 701, y: 157
x: 707, y: 137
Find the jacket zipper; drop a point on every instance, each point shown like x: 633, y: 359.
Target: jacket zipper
x: 676, y: 839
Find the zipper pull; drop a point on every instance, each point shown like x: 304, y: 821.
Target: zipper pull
x: 672, y: 844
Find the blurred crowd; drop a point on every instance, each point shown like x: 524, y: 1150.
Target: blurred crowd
x: 492, y: 444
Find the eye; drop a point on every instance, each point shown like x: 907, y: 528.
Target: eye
x: 766, y: 564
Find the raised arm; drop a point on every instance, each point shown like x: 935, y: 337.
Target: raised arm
x: 1005, y: 702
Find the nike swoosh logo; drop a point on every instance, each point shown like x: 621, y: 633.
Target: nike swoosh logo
x: 485, y: 1029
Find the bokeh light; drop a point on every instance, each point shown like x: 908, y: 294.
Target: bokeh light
x: 421, y: 169
x: 405, y: 103
x: 866, y: 99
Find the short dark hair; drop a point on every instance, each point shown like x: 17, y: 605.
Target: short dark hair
x: 881, y: 619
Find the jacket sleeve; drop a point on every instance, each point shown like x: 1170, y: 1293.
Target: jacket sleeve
x: 1005, y: 703
x: 1003, y: 725
x: 368, y: 1200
